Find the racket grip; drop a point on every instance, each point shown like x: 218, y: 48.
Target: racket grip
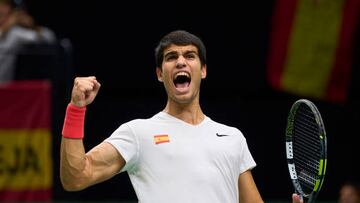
x: 74, y: 122
x: 301, y: 199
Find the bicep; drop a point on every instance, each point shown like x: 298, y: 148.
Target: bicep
x: 248, y: 192
x: 104, y: 162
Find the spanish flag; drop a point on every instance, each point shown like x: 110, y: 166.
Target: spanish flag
x: 158, y: 139
x: 311, y: 47
x: 25, y: 142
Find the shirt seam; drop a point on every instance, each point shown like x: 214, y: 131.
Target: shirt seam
x: 137, y: 147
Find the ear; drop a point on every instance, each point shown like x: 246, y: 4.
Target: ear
x: 203, y: 72
x: 159, y: 74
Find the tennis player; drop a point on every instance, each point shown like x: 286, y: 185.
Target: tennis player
x: 179, y: 154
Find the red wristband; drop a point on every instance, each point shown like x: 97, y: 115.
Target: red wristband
x: 74, y: 122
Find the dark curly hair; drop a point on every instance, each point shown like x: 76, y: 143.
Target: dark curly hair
x: 179, y: 38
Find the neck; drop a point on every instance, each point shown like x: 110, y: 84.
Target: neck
x: 190, y: 113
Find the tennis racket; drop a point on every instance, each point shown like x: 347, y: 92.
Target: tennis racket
x: 306, y: 149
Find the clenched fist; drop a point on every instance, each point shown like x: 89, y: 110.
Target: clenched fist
x: 84, y: 91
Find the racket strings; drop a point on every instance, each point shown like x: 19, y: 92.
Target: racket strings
x: 306, y: 147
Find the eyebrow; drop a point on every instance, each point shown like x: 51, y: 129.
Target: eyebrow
x: 175, y: 52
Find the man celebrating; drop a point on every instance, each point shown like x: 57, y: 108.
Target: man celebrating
x: 179, y: 154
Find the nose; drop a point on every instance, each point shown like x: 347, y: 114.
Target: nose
x: 181, y: 62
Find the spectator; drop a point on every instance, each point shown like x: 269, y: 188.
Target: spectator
x: 17, y: 28
x: 349, y: 193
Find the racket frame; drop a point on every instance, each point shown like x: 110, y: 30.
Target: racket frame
x: 289, y: 149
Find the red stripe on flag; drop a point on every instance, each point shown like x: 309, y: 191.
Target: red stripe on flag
x: 340, y: 76
x: 26, y: 195
x: 25, y: 105
x: 282, y: 23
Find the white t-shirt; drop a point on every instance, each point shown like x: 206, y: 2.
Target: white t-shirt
x: 169, y: 160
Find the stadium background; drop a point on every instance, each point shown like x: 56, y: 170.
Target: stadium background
x: 115, y: 41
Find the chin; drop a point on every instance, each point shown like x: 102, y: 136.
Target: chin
x: 184, y: 99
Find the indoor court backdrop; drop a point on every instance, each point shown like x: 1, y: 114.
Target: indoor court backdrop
x: 255, y: 63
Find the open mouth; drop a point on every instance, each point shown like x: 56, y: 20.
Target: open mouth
x: 182, y: 80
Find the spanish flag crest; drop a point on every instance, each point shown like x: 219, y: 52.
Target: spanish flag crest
x: 159, y: 139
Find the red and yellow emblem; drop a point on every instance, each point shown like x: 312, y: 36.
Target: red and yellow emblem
x: 158, y: 139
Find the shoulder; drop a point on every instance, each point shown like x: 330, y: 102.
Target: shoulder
x: 141, y: 122
x: 31, y: 35
x: 226, y: 129
x: 136, y: 128
x: 224, y: 126
x: 21, y: 32
x: 155, y: 119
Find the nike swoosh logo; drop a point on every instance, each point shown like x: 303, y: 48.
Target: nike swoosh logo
x: 221, y: 135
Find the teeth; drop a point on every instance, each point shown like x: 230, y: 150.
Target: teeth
x: 182, y: 74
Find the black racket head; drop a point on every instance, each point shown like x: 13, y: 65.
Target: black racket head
x: 306, y: 148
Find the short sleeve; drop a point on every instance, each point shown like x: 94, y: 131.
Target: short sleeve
x: 124, y: 140
x: 246, y: 159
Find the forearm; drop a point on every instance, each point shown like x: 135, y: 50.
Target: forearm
x: 248, y: 192
x: 73, y: 164
x: 78, y: 169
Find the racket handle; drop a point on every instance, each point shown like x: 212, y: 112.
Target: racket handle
x: 301, y: 198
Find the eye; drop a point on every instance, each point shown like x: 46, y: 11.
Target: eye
x: 170, y: 57
x: 190, y: 55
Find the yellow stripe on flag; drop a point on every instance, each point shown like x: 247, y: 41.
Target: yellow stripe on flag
x: 312, y: 47
x: 25, y: 159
